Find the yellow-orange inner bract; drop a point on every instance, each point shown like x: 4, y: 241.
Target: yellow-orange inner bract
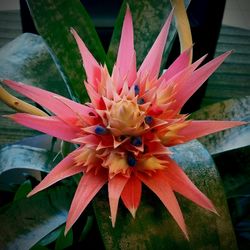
x: 130, y: 137
x: 125, y: 118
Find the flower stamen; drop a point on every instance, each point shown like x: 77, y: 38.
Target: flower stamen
x: 137, y: 89
x: 99, y: 130
x: 140, y: 101
x: 136, y: 141
x: 148, y: 119
x: 131, y: 160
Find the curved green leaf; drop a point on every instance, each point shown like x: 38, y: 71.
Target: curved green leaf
x: 52, y: 236
x: 53, y: 21
x: 23, y: 156
x: 27, y: 59
x: 234, y: 168
x: 231, y: 150
x: 148, y: 18
x: 26, y: 221
x: 154, y: 228
x: 233, y: 109
x: 23, y: 190
x: 63, y: 241
x: 39, y: 247
x: 19, y: 159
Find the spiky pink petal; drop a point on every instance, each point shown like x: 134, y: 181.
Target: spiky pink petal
x: 157, y: 148
x: 152, y: 62
x: 197, y: 129
x: 87, y: 188
x: 162, y: 189
x: 115, y: 187
x: 126, y: 49
x: 95, y: 97
x: 178, y: 65
x: 61, y: 171
x: 189, y: 87
x: 180, y: 183
x: 91, y: 66
x: 180, y: 78
x: 91, y: 140
x: 132, y: 74
x: 131, y: 194
x: 53, y: 102
x: 50, y: 125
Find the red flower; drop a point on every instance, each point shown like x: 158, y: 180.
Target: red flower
x: 124, y: 134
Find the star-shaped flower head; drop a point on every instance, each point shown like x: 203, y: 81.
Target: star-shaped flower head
x: 125, y: 132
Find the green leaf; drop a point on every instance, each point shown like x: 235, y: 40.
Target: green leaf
x: 230, y: 148
x: 52, y: 236
x: 154, y: 228
x: 27, y: 59
x: 62, y: 241
x: 53, y: 20
x: 26, y: 221
x: 39, y: 247
x: 66, y: 148
x: 234, y: 168
x: 23, y: 190
x: 19, y: 159
x: 233, y: 109
x: 88, y: 226
x: 148, y: 19
x: 23, y: 156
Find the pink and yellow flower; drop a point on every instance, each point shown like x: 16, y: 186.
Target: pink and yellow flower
x: 125, y: 132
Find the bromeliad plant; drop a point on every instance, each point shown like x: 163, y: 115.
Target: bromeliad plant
x: 126, y: 131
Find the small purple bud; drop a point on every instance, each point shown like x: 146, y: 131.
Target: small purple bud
x: 136, y: 141
x: 131, y: 160
x: 137, y: 89
x: 140, y: 101
x: 148, y: 119
x: 99, y: 130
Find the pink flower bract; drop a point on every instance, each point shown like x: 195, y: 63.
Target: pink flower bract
x: 125, y: 132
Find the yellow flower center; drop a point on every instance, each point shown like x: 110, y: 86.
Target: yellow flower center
x: 126, y: 118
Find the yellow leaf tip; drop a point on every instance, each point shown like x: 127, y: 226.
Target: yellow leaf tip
x: 30, y: 194
x: 133, y: 212
x: 7, y: 116
x: 72, y: 30
x: 66, y: 231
